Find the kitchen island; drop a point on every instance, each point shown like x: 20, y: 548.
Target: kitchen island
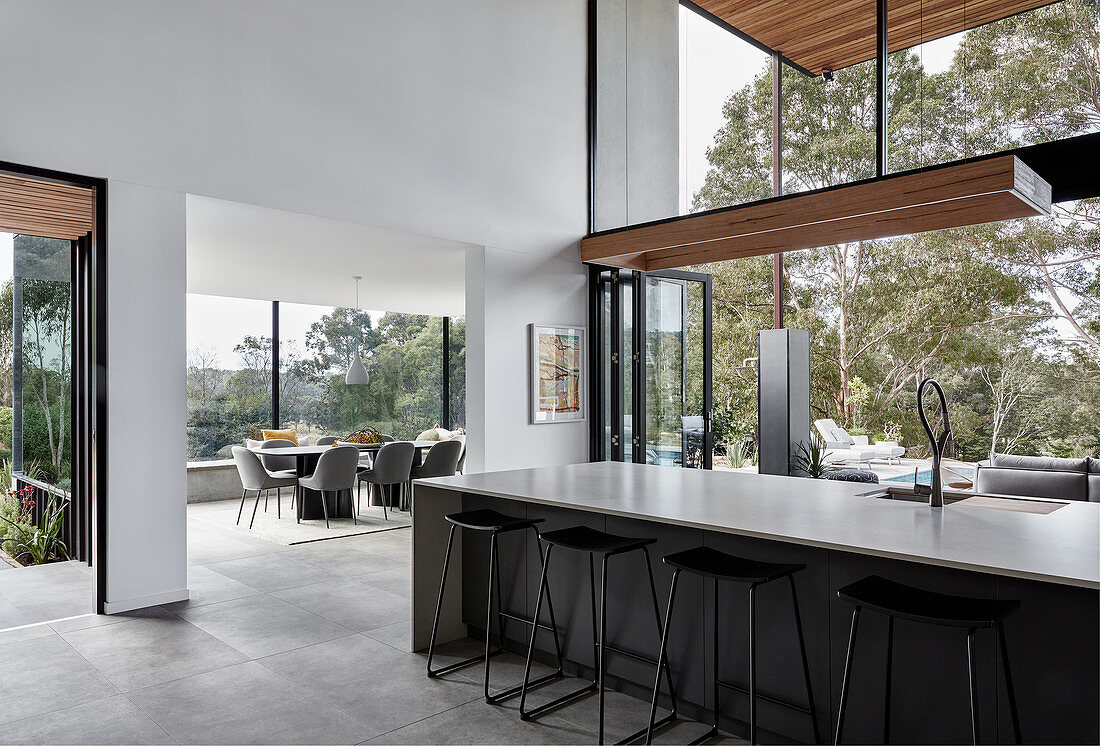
x: 1049, y: 559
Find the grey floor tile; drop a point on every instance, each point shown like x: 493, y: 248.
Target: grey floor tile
x: 479, y: 723
x: 11, y: 615
x: 273, y: 572
x: 378, y: 684
x: 45, y: 592
x: 114, y: 720
x: 205, y: 586
x: 56, y: 677
x: 151, y: 650
x: 345, y: 560
x: 350, y: 602
x: 29, y: 632
x: 101, y: 620
x: 397, y: 635
x: 397, y: 580
x: 263, y: 625
x: 247, y: 704
x: 207, y: 544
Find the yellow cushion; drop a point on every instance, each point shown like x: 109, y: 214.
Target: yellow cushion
x: 289, y: 434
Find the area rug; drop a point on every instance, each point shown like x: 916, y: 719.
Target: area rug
x: 286, y: 530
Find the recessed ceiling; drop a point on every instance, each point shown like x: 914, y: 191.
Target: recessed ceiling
x: 244, y: 251
x: 821, y: 35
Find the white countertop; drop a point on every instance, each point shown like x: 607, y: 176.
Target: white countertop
x: 1060, y: 547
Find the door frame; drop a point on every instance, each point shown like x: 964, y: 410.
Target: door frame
x: 89, y: 369
x: 618, y: 278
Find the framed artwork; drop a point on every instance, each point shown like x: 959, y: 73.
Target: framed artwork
x: 557, y: 374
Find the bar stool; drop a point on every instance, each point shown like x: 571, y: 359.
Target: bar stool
x: 592, y: 542
x: 495, y: 524
x: 918, y: 605
x: 720, y: 566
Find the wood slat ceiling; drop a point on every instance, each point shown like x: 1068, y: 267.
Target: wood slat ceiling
x: 821, y: 35
x: 984, y: 191
x: 45, y: 208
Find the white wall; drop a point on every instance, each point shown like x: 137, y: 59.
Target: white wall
x: 462, y: 120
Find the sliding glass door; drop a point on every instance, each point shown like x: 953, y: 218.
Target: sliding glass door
x: 652, y: 359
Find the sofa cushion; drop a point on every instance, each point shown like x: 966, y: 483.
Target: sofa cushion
x: 1057, y: 485
x: 1039, y: 463
x: 1094, y: 480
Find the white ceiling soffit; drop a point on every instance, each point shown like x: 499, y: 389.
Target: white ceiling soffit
x: 244, y: 251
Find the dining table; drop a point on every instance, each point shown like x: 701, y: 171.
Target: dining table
x: 341, y: 504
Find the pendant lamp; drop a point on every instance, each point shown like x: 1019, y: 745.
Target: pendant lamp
x: 357, y: 372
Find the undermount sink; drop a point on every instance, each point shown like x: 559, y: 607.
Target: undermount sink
x: 993, y: 502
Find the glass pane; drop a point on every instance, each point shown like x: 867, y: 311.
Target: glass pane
x: 458, y: 372
x: 694, y: 381
x: 40, y: 345
x: 664, y: 371
x: 628, y: 370
x: 605, y: 365
x: 228, y: 373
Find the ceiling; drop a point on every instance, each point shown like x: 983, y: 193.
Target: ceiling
x: 37, y: 207
x: 244, y: 251
x: 825, y: 35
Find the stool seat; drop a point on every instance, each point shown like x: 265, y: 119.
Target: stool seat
x: 715, y: 564
x: 920, y: 605
x: 490, y: 520
x: 585, y: 539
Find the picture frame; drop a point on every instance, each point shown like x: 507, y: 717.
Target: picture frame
x: 558, y: 373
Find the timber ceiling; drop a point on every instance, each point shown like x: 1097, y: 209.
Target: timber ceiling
x: 826, y: 35
x: 44, y: 208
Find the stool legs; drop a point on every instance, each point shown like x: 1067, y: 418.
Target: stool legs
x: 847, y: 676
x: 662, y: 657
x: 805, y: 661
x: 1008, y: 682
x: 889, y: 679
x: 973, y: 685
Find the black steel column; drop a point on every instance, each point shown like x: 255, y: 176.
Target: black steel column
x: 777, y: 182
x: 881, y: 78
x: 616, y: 330
x: 275, y: 364
x: 17, y: 374
x: 446, y: 389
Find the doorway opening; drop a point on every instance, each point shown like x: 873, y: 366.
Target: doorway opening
x: 52, y: 396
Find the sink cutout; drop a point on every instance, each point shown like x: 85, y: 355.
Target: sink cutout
x: 1037, y: 507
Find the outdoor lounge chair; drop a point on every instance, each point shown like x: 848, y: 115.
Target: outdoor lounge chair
x: 840, y: 447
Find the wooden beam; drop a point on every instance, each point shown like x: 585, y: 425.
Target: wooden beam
x: 982, y: 191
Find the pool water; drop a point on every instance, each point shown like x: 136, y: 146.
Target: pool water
x: 925, y: 476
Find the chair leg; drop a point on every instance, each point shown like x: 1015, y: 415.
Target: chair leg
x: 299, y: 495
x: 660, y: 633
x: 889, y: 679
x: 254, y: 509
x: 359, y: 496
x: 1008, y: 682
x: 267, y: 494
x: 523, y: 714
x: 439, y: 602
x: 354, y: 517
x: 279, y: 503
x: 550, y: 609
x: 489, y: 610
x: 844, y: 685
x: 752, y: 663
x: 603, y: 635
x: 973, y: 686
x: 384, y: 497
x: 324, y: 507
x: 805, y: 661
x: 662, y: 656
x: 240, y: 511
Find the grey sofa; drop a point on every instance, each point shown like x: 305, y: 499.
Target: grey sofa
x: 1038, y: 476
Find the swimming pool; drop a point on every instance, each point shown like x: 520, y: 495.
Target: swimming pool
x: 925, y: 476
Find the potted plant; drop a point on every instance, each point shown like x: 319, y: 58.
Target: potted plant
x: 810, y: 457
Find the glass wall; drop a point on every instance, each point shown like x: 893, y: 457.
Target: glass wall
x: 228, y: 373
x: 457, y: 344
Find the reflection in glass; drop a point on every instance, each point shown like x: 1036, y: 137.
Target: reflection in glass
x: 664, y: 371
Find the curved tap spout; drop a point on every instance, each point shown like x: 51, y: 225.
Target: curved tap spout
x: 935, y: 494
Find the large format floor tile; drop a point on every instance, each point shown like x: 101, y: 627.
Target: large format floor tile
x: 205, y: 586
x: 352, y: 603
x: 152, y: 650
x: 263, y: 625
x: 247, y: 704
x: 44, y: 674
x: 381, y: 686
x: 115, y: 720
x: 273, y: 572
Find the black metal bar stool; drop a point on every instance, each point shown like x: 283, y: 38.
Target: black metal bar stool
x: 918, y: 605
x: 720, y: 566
x: 593, y: 542
x: 495, y: 524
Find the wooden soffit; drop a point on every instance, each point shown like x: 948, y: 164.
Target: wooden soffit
x: 825, y: 35
x: 970, y: 193
x: 37, y: 207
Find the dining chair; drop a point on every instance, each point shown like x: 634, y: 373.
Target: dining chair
x: 335, y: 472
x: 392, y: 466
x: 255, y: 477
x: 461, y: 459
x: 327, y: 440
x: 441, y: 461
x: 283, y: 466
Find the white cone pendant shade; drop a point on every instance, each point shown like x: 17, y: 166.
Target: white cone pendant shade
x: 357, y: 373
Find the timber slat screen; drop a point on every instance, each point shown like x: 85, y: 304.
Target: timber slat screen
x: 35, y: 207
x: 828, y: 35
x: 981, y: 191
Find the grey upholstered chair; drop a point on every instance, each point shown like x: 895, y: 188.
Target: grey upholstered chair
x: 461, y: 459
x: 441, y: 461
x: 392, y: 465
x: 255, y: 477
x: 278, y: 463
x: 327, y: 440
x: 335, y: 472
